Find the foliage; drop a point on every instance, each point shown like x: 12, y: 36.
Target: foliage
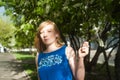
x: 6, y: 32
x: 73, y: 17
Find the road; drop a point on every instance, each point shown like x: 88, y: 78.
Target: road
x: 10, y: 69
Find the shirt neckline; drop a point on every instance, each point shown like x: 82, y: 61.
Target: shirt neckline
x: 47, y: 53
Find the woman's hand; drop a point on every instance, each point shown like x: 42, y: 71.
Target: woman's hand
x: 83, y: 51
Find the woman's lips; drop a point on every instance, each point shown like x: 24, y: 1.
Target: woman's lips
x: 45, y: 39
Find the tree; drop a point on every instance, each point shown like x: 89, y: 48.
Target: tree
x: 6, y: 32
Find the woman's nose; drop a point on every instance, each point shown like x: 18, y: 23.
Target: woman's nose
x: 45, y: 34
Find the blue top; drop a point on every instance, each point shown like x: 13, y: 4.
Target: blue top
x: 54, y: 65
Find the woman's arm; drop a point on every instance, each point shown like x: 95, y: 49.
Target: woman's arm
x: 80, y: 69
x: 36, y: 61
x: 71, y: 58
x: 77, y: 62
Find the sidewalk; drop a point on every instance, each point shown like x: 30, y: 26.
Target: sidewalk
x: 10, y: 69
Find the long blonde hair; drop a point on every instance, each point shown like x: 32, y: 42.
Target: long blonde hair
x: 38, y: 41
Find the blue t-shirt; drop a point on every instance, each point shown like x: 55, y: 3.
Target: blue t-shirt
x: 54, y: 65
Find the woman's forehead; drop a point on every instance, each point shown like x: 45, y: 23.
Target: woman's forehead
x: 48, y: 27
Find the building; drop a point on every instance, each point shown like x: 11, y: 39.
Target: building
x: 1, y: 49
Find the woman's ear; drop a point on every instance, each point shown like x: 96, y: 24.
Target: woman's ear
x: 56, y: 35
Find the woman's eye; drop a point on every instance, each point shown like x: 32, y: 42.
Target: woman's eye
x: 49, y: 31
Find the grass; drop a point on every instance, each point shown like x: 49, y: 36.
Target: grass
x: 100, y: 73
x: 28, y: 63
x: 28, y: 60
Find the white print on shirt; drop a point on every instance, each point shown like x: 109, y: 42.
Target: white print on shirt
x: 50, y: 61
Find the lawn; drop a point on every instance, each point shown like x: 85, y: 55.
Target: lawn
x: 28, y: 63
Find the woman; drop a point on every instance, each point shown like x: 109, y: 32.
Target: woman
x: 55, y: 60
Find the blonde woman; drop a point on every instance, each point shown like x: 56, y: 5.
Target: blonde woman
x: 55, y: 60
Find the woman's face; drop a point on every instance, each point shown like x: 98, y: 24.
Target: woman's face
x: 48, y: 35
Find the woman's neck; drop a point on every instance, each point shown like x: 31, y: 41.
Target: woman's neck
x: 52, y: 47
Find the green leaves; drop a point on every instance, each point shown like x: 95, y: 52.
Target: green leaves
x: 6, y: 32
x: 26, y: 28
x: 68, y: 15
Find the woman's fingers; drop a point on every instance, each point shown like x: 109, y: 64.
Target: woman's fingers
x: 83, y: 51
x: 85, y: 44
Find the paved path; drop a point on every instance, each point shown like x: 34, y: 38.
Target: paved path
x: 10, y: 69
x: 101, y: 57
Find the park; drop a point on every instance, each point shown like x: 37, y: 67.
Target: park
x: 95, y: 21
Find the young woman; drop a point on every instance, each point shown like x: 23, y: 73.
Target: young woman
x: 55, y: 60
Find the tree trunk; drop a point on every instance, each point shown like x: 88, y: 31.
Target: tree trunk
x: 117, y: 62
x: 94, y: 60
x: 107, y: 65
